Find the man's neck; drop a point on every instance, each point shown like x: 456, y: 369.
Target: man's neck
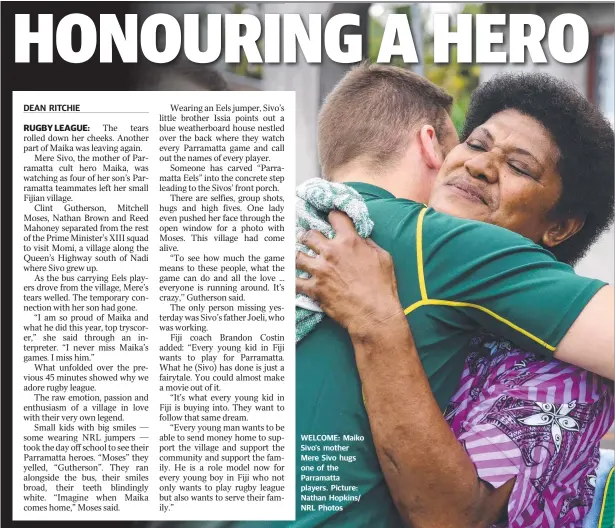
x: 394, y: 180
x: 356, y: 177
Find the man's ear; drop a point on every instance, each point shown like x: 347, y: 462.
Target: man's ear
x: 562, y: 230
x: 430, y: 147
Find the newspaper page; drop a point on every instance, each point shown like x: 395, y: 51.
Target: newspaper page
x: 155, y: 293
x: 179, y: 354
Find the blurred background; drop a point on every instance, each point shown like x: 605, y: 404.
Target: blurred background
x: 594, y: 76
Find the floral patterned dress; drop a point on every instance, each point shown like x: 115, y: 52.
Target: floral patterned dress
x: 536, y: 419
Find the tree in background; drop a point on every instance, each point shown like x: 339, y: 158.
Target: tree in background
x: 459, y: 80
x: 245, y: 68
x: 376, y: 31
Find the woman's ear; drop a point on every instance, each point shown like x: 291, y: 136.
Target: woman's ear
x: 562, y: 230
x: 430, y: 147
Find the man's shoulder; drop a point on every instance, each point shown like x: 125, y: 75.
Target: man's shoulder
x: 399, y: 224
x: 398, y: 220
x: 441, y: 223
x: 448, y: 238
x: 398, y: 208
x: 394, y: 218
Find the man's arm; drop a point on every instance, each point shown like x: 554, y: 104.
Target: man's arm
x: 431, y: 478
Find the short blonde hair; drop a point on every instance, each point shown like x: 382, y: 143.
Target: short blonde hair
x: 371, y: 112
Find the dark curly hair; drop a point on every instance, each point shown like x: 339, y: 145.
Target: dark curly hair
x: 584, y: 138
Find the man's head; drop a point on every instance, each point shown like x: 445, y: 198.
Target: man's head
x: 387, y: 126
x: 536, y: 158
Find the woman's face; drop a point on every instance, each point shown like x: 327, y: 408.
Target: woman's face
x: 504, y: 174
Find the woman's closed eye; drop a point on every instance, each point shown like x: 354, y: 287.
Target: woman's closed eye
x: 521, y: 169
x: 476, y: 145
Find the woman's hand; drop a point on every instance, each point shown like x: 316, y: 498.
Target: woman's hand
x: 352, y: 278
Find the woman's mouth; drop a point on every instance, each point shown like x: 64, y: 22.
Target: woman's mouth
x: 468, y: 191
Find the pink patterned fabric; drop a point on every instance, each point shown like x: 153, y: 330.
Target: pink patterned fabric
x: 539, y: 420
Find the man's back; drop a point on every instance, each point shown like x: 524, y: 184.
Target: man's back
x: 448, y: 297
x: 330, y: 405
x: 333, y: 432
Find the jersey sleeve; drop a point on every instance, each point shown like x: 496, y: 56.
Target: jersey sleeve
x: 498, y: 279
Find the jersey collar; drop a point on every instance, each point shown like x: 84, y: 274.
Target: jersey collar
x: 372, y: 190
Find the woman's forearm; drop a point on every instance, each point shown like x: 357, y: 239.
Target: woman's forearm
x: 431, y: 478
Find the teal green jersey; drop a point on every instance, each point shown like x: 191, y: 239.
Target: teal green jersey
x: 454, y: 277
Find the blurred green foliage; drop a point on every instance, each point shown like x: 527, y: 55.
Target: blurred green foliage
x: 255, y: 71
x: 459, y: 80
x: 376, y: 30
